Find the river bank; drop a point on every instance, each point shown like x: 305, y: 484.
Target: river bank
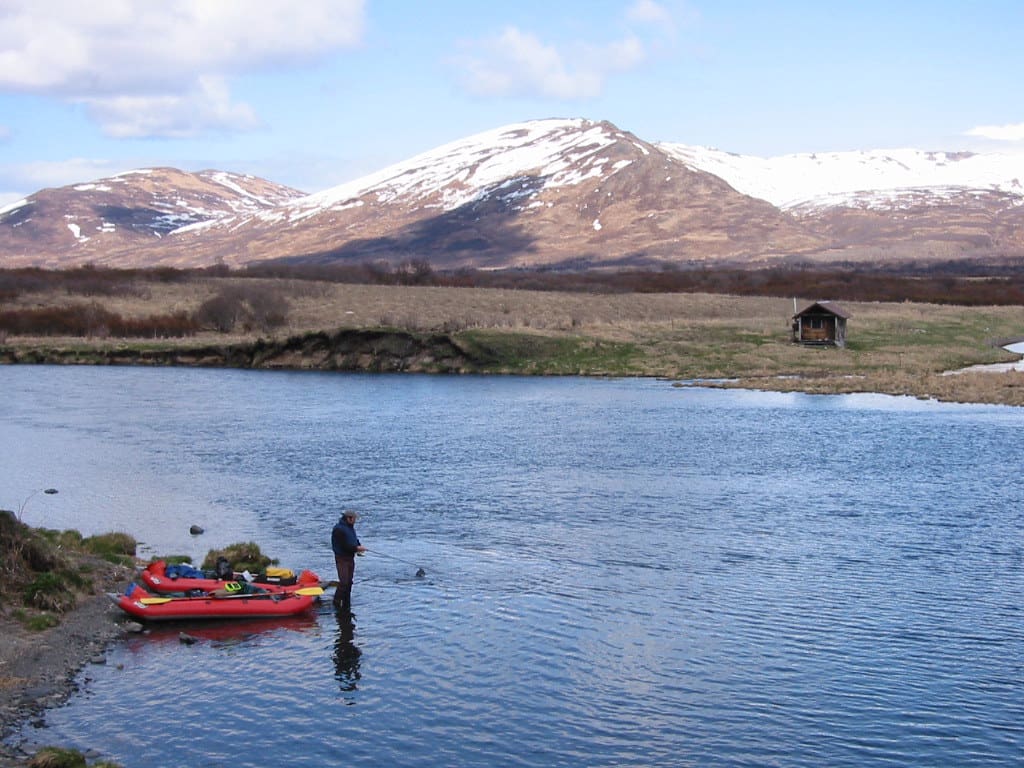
x: 899, y: 348
x: 954, y: 376
x: 40, y: 670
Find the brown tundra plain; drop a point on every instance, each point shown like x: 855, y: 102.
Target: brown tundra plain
x: 714, y: 339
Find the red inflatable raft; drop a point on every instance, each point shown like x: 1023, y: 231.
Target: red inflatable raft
x: 146, y: 606
x: 158, y: 578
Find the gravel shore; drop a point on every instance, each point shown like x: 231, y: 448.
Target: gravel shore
x: 38, y: 670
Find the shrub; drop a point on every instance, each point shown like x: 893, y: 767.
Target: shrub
x: 45, y: 570
x: 39, y: 622
x: 49, y: 592
x: 111, y: 544
x: 244, y: 556
x: 57, y: 757
x: 253, y: 306
x: 221, y: 312
x: 92, y: 320
x: 268, y: 308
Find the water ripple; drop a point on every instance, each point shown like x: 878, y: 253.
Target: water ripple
x: 617, y: 573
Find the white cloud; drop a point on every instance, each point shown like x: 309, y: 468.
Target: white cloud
x: 39, y: 175
x: 649, y: 12
x: 517, y: 63
x: 175, y: 116
x: 163, y: 55
x: 1012, y: 132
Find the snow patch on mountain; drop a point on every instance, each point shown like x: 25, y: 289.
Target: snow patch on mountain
x: 14, y: 206
x: 524, y: 158
x: 870, y: 178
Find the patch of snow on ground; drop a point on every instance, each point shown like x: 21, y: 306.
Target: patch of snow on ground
x: 227, y: 180
x: 136, y: 172
x: 13, y: 206
x: 199, y: 226
x: 1017, y: 349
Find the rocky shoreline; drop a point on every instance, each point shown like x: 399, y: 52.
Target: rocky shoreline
x: 377, y: 351
x: 41, y: 670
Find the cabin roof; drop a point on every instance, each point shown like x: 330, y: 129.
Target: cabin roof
x: 828, y: 306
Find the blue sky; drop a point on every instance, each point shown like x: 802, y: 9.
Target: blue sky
x: 314, y: 93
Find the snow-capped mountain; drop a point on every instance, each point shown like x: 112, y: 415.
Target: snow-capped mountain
x: 553, y: 193
x: 869, y: 178
x: 108, y: 220
x: 549, y: 192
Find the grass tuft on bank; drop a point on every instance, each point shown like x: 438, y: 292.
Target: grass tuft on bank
x: 44, y: 573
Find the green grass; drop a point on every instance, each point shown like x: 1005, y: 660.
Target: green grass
x: 43, y: 572
x: 544, y: 354
x: 243, y: 556
x: 62, y: 757
x: 35, y: 621
x: 118, y: 548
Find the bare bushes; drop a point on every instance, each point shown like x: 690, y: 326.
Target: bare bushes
x: 92, y: 321
x: 254, y: 307
x: 87, y: 280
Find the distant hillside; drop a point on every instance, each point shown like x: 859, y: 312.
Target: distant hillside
x: 132, y: 219
x: 560, y: 193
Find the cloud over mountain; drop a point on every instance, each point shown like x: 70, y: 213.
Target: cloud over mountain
x: 519, y: 62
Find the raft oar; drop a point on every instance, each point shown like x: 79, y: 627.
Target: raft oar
x: 258, y: 596
x: 419, y: 570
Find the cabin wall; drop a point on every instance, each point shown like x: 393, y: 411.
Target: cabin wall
x: 820, y: 329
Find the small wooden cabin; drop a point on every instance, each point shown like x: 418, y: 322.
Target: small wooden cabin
x: 823, y: 322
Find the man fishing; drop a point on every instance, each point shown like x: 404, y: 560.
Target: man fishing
x: 346, y: 546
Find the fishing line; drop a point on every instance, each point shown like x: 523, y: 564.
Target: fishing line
x: 420, y: 573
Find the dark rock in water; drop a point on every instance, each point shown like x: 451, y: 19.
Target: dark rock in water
x: 195, y: 530
x: 186, y: 638
x: 421, y: 573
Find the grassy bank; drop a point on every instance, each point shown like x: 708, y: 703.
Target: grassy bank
x: 897, y: 348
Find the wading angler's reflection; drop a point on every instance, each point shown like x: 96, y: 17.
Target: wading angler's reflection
x: 346, y: 654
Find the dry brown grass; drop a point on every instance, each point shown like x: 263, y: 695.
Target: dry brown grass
x: 316, y: 305
x: 900, y: 348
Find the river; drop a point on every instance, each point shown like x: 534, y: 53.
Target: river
x: 617, y: 572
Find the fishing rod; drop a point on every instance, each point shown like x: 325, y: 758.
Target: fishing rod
x: 419, y: 570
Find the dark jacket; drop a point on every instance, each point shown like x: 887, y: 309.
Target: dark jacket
x: 343, y: 539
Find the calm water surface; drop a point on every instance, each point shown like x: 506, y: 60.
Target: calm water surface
x: 618, y: 572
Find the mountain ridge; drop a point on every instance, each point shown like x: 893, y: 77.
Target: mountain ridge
x: 557, y: 193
